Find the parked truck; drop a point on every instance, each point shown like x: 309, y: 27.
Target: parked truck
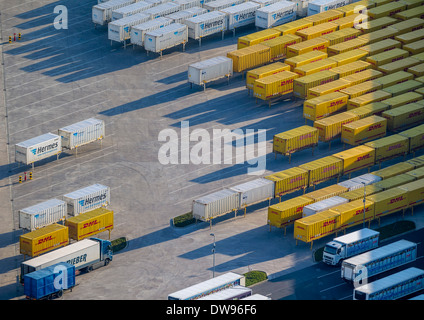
x: 349, y: 245
x: 85, y: 255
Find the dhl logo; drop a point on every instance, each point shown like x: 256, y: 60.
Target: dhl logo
x: 336, y: 103
x: 363, y: 157
x: 282, y: 83
x: 350, y: 38
x: 306, y: 136
x: 301, y: 228
x: 289, y: 44
x: 331, y: 168
x: 296, y: 179
x: 43, y: 240
x: 319, y: 47
x: 90, y: 224
x: 299, y: 209
x: 396, y: 146
x: 414, y: 114
x: 327, y: 32
x: 325, y: 81
x: 375, y: 126
x: 361, y: 211
x: 329, y: 222
x: 397, y: 199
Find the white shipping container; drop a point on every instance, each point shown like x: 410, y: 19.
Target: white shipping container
x: 254, y: 191
x: 275, y: 14
x: 86, y: 199
x: 211, y: 69
x: 120, y: 30
x: 102, y: 13
x: 301, y: 7
x: 317, y: 6
x: 166, y: 37
x: 367, y: 178
x: 187, y: 4
x: 38, y: 148
x: 181, y: 16
x: 323, y: 205
x: 42, y: 214
x: 264, y: 3
x: 351, y: 185
x: 241, y: 14
x: 82, y: 132
x: 215, y: 204
x: 130, y: 10
x: 231, y: 293
x: 217, y: 5
x: 162, y: 10
x: 157, y: 2
x: 206, y: 24
x: 139, y: 31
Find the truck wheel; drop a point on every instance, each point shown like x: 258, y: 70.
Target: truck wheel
x: 59, y: 294
x: 107, y: 262
x: 89, y: 269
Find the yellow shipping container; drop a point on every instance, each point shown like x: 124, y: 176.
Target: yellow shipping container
x: 296, y: 139
x: 368, y: 98
x: 323, y: 169
x: 415, y: 192
x: 43, y: 240
x: 400, y: 100
x: 379, y: 35
x: 416, y: 162
x: 326, y: 16
x: 419, y: 57
x: 346, y: 46
x: 359, y: 193
x: 250, y: 57
x: 415, y: 136
x: 356, y: 158
x: 410, y: 37
x: 279, y: 45
x: 403, y: 87
x: 386, y: 10
x: 417, y: 174
x: 363, y: 76
x: 346, y: 22
x: 389, y: 147
x: 363, y: 130
x: 381, y: 46
x: 356, y: 7
x: 376, y: 24
x: 387, y: 57
x: 361, y: 89
x: 352, y: 213
x: 317, y: 31
x: 257, y: 37
x: 417, y: 12
x: 289, y: 180
x: 293, y: 26
x: 395, y: 181
x: 351, y: 68
x: 317, y: 66
x: 348, y: 57
x: 400, y: 65
x: 90, y: 223
x: 324, y: 106
x: 394, y: 170
x: 331, y: 127
x: 415, y: 47
x: 420, y: 91
x: 388, y: 201
x: 409, y: 25
x: 380, y: 2
x: 302, y: 84
x: 316, y: 226
x: 305, y: 58
x: 405, y: 116
x: 394, y: 78
x: 325, y: 193
x: 417, y: 71
x: 420, y: 79
x: 318, y: 44
x: 261, y: 72
x: 324, y: 89
x: 375, y: 108
x: 275, y: 85
x: 413, y: 3
x: 342, y: 35
x: 284, y: 213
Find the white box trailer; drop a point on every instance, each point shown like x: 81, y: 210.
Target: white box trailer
x: 317, y: 6
x: 157, y: 2
x: 275, y: 14
x: 81, y: 133
x: 38, y: 148
x: 134, y: 8
x: 217, y: 5
x: 206, y: 24
x: 323, y: 205
x: 138, y: 32
x: 254, y: 191
x: 358, y: 182
x: 241, y: 15
x: 165, y: 38
x: 231, y: 293
x: 120, y: 30
x: 264, y: 3
x: 187, y: 4
x: 86, y: 199
x: 209, y: 70
x: 181, y: 16
x: 301, y: 7
x: 215, y: 204
x: 102, y: 13
x: 162, y: 10
x: 42, y: 214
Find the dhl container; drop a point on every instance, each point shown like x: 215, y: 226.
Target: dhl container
x: 414, y: 47
x: 420, y: 79
x: 257, y: 37
x: 279, y: 45
x: 417, y: 71
x: 318, y: 44
x: 346, y: 22
x: 356, y: 158
x: 324, y: 106
x: 316, y: 226
x: 419, y: 57
x: 360, y: 89
x: 381, y: 46
x: 415, y: 136
x: 317, y: 66
x: 275, y: 85
x: 264, y: 71
x: 302, y: 84
x: 348, y: 57
x: 316, y: 31
x: 330, y: 128
x: 286, y: 212
x: 394, y: 78
x: 363, y: 130
x: 380, y: 2
x: 410, y: 37
x: 356, y: 7
x: 388, y: 201
x: 420, y: 91
x: 410, y: 13
x: 250, y: 57
x: 43, y: 240
x: 359, y: 193
x: 323, y: 205
x: 342, y: 35
x: 403, y: 87
x: 90, y: 223
x: 346, y: 46
x: 323, y: 169
x: 333, y: 86
x: 326, y: 193
x: 416, y: 162
x: 351, y: 68
x: 289, y: 180
x: 352, y: 213
x: 394, y: 170
x: 323, y: 17
x: 413, y: 3
x: 293, y: 26
x: 305, y: 58
x: 375, y: 108
x: 368, y: 98
x: 386, y: 10
x: 409, y: 25
x: 404, y: 116
x: 378, y: 35
x: 376, y: 24
x: 395, y: 181
x: 387, y: 57
x: 400, y: 100
x: 415, y: 192
x: 417, y: 174
x: 389, y: 147
x: 296, y: 139
x: 400, y: 65
x: 362, y: 77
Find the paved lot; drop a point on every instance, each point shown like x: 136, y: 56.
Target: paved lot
x: 53, y: 78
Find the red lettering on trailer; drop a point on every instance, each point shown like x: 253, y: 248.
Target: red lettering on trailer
x: 48, y: 238
x: 363, y: 157
x: 394, y: 200
x: 396, y: 146
x: 327, y: 223
x: 89, y: 224
x: 375, y: 126
x: 414, y: 114
x: 296, y: 179
x: 335, y: 103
